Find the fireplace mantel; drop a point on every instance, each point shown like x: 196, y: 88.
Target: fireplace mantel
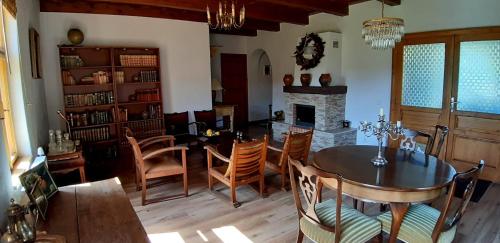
x: 316, y: 90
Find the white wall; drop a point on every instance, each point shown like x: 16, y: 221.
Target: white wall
x: 367, y: 72
x: 184, y: 54
x: 331, y: 63
x: 5, y: 182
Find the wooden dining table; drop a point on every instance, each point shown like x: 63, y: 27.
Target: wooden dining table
x: 409, y: 177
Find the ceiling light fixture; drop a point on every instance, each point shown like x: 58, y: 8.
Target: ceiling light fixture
x: 383, y: 33
x: 225, y: 18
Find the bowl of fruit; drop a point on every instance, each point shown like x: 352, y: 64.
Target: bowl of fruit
x: 211, y: 133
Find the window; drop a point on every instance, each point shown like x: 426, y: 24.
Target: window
x: 5, y: 108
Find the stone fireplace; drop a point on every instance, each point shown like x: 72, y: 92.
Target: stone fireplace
x: 321, y: 108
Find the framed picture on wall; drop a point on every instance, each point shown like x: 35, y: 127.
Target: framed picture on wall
x: 35, y: 54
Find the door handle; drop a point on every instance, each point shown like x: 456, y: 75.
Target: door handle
x: 453, y: 104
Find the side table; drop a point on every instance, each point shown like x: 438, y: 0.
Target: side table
x: 67, y: 162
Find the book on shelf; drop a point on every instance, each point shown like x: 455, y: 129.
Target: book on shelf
x: 120, y: 77
x: 146, y: 128
x: 138, y: 60
x: 90, y: 99
x: 90, y: 118
x: 92, y: 134
x: 71, y: 61
x: 145, y: 95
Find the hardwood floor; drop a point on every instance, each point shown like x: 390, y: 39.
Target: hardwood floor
x: 207, y: 216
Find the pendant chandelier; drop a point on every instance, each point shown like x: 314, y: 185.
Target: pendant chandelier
x: 225, y: 18
x: 383, y: 33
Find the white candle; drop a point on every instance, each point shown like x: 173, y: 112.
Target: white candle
x: 398, y: 124
x: 381, y: 113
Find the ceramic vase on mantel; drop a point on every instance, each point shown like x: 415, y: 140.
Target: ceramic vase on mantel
x: 305, y: 79
x: 288, y: 80
x: 325, y: 79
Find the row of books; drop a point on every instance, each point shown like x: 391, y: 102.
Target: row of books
x: 146, y: 128
x: 148, y: 76
x: 71, y: 61
x: 91, y: 118
x: 67, y: 78
x: 147, y: 94
x: 120, y: 77
x: 97, y: 98
x: 92, y: 134
x: 138, y: 60
x: 101, y: 77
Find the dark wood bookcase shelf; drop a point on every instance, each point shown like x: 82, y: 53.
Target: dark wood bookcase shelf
x: 119, y: 68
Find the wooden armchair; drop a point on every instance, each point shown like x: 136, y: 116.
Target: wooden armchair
x: 246, y: 165
x: 297, y: 146
x: 151, y: 163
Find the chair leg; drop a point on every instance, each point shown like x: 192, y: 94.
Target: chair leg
x: 137, y: 180
x: 362, y: 205
x: 383, y: 207
x: 143, y: 191
x: 185, y: 178
x: 283, y: 182
x: 236, y: 204
x: 210, y: 181
x: 300, y: 237
x: 261, y: 186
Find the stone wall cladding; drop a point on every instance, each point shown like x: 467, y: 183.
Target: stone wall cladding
x: 329, y: 109
x: 321, y: 139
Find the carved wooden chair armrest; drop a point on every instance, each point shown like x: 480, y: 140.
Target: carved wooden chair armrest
x: 214, y: 152
x: 154, y: 140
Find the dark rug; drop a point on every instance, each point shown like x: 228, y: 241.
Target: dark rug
x: 481, y: 187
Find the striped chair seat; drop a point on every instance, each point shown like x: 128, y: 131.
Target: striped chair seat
x: 355, y: 226
x: 418, y: 225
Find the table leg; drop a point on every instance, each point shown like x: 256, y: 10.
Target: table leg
x: 398, y: 211
x: 82, y: 174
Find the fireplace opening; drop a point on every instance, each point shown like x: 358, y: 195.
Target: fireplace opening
x: 304, y: 115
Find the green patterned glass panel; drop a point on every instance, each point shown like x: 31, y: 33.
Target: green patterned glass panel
x: 479, y: 77
x: 423, y: 75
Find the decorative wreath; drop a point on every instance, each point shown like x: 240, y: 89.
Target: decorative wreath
x: 318, y: 51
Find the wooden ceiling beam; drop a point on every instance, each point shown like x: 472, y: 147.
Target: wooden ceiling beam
x: 253, y: 9
x: 142, y: 11
x: 336, y: 7
x: 388, y: 2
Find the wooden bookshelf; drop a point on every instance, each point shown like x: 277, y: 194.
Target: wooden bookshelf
x: 109, y: 88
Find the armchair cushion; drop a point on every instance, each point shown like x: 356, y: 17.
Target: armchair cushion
x: 418, y: 225
x: 355, y: 226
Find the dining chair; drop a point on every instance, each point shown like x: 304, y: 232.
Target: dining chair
x: 297, y: 146
x: 331, y: 220
x: 433, y: 144
x: 152, y: 163
x: 423, y: 223
x: 245, y: 166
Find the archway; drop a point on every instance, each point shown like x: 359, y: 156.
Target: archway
x: 260, y: 86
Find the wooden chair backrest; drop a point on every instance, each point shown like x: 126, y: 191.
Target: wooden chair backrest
x: 247, y: 159
x: 440, y: 134
x: 136, y: 149
x: 308, y: 179
x: 297, y: 146
x: 446, y: 222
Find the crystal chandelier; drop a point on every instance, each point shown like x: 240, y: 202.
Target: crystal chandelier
x: 225, y: 19
x: 383, y: 33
